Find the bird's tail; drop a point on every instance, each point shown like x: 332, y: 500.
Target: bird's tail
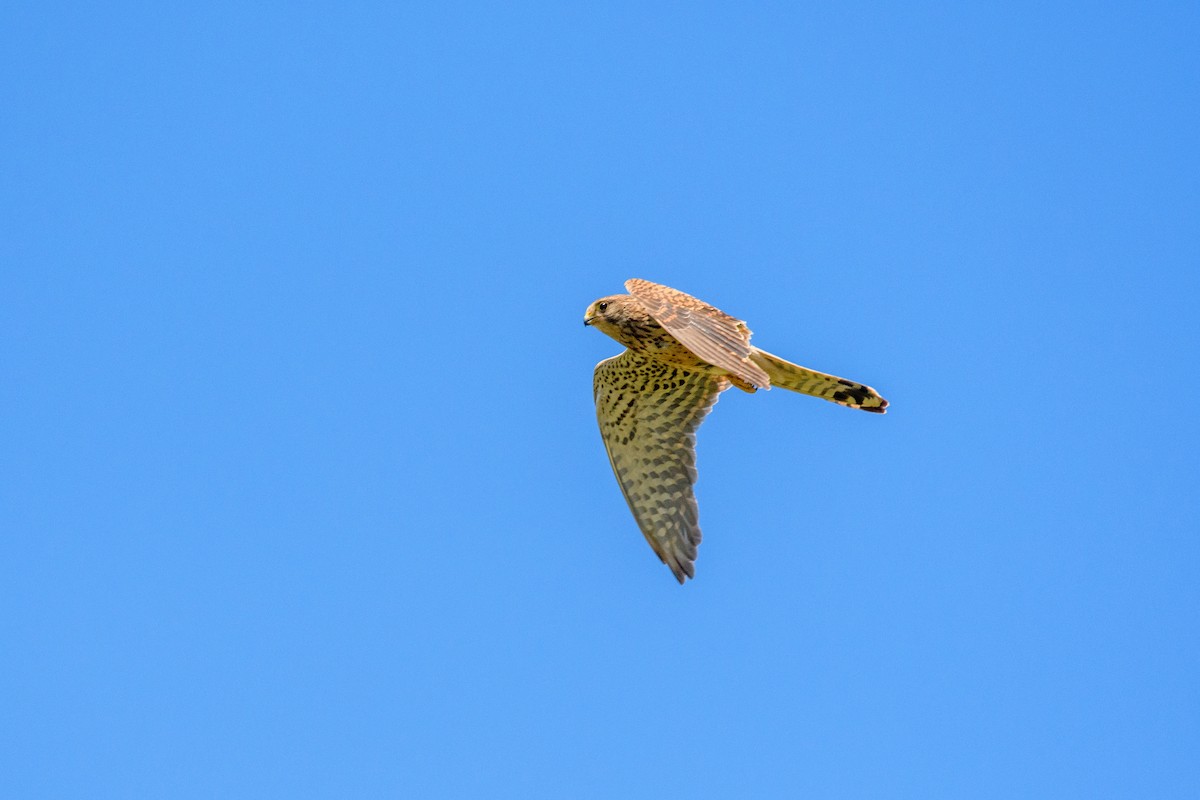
x: 787, y: 375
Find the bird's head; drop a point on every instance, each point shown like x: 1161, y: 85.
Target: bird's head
x: 609, y: 313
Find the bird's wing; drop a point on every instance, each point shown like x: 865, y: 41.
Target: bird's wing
x: 648, y: 413
x: 710, y: 333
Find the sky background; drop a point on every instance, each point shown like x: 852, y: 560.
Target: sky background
x: 301, y: 492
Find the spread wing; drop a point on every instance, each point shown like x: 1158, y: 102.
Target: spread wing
x: 710, y: 333
x: 648, y: 413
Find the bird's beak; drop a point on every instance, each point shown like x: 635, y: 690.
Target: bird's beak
x: 589, y: 320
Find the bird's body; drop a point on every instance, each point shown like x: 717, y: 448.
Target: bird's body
x: 641, y: 333
x: 681, y: 354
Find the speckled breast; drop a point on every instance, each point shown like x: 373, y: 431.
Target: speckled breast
x: 652, y: 339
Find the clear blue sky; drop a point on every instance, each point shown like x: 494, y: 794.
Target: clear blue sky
x: 301, y: 492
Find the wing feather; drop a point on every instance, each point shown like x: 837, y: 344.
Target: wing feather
x: 710, y: 333
x: 648, y: 413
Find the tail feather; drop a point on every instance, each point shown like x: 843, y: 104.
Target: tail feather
x: 787, y: 375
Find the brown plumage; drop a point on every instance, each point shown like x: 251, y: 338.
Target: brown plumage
x: 682, y: 353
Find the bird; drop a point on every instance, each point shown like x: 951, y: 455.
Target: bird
x: 681, y: 353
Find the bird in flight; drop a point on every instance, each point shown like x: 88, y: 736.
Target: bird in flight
x: 681, y: 354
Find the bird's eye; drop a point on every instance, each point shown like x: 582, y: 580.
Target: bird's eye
x: 602, y: 307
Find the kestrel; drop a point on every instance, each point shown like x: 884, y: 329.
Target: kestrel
x: 682, y: 353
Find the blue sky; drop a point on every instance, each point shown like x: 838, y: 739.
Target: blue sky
x: 301, y: 489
